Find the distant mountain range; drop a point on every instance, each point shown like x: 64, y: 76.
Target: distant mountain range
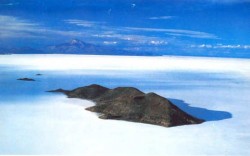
x: 79, y: 47
x: 74, y: 46
x: 21, y: 50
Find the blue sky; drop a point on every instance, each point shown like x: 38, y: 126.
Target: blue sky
x: 158, y: 26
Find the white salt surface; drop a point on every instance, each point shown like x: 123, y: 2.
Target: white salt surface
x: 94, y: 62
x: 57, y: 125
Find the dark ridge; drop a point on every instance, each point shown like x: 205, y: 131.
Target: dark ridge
x: 90, y: 92
x: 59, y: 91
x: 26, y: 79
x: 118, y: 93
x: 131, y: 104
x: 39, y: 74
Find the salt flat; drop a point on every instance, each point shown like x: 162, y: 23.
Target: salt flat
x: 35, y: 122
x: 105, y: 62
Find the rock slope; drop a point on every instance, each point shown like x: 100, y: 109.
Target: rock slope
x: 131, y: 104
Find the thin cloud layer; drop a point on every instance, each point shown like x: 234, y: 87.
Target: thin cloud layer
x: 83, y: 23
x: 13, y: 27
x: 161, y: 17
x: 178, y: 32
x: 221, y: 46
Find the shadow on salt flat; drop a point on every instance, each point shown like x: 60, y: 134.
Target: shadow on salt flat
x: 202, y: 113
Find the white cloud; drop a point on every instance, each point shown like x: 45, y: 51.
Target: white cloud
x: 177, y: 32
x: 173, y: 32
x: 221, y: 46
x: 83, y: 23
x: 132, y: 34
x: 230, y: 46
x: 205, y: 46
x: 161, y: 18
x: 246, y: 46
x: 134, y: 39
x: 13, y: 27
x: 110, y: 42
x: 158, y: 42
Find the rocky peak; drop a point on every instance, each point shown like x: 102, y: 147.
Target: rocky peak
x: 76, y: 42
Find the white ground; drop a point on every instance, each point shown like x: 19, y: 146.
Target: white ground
x: 57, y: 125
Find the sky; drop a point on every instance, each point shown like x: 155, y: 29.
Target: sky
x: 180, y: 27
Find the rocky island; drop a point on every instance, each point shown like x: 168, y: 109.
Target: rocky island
x: 131, y: 104
x: 26, y: 79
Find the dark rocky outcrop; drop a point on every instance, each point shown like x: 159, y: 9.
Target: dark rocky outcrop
x: 26, y: 79
x: 131, y: 104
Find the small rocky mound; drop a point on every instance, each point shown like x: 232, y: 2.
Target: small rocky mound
x: 26, y: 79
x: 131, y: 104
